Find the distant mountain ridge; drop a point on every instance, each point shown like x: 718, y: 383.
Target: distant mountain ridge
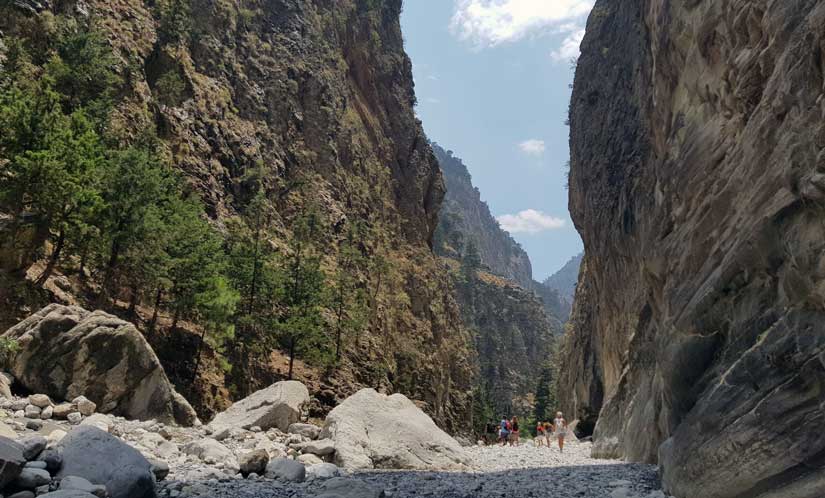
x: 564, y: 281
x: 465, y: 217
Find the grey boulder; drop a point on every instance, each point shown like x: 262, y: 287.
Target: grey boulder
x: 104, y: 459
x: 209, y: 451
x: 32, y: 446
x: 373, y: 430
x: 323, y: 471
x: 62, y: 355
x: 254, y: 462
x: 309, y: 431
x: 11, y: 460
x: 321, y: 447
x: 279, y: 405
x: 31, y: 478
x: 286, y: 469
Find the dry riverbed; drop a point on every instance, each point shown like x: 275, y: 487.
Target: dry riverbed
x: 510, y: 472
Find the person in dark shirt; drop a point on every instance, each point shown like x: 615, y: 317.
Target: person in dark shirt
x: 514, y: 434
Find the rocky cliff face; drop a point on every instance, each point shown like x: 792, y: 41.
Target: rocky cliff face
x: 564, y: 280
x: 465, y: 218
x: 698, y: 161
x: 315, y: 101
x: 514, y: 337
x: 514, y: 319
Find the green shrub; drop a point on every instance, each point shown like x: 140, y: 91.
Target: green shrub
x: 8, y: 350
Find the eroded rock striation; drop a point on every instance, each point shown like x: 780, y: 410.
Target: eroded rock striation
x: 68, y: 352
x: 698, y: 185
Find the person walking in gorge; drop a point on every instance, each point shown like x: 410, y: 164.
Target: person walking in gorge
x: 514, y: 435
x: 560, y: 429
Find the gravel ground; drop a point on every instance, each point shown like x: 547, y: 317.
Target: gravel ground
x: 510, y: 472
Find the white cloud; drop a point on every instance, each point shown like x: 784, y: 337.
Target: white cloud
x: 570, y: 46
x: 533, y: 147
x: 432, y: 77
x: 491, y: 22
x: 530, y: 221
x: 431, y: 100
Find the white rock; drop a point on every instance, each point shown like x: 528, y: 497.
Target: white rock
x: 84, y: 405
x: 323, y: 471
x: 63, y: 410
x: 320, y: 447
x: 279, y: 405
x: 74, y: 417
x: 167, y: 449
x: 32, y: 411
x: 7, y: 431
x: 47, y: 413
x: 55, y: 436
x: 309, y: 459
x: 40, y: 400
x: 152, y: 440
x: 374, y: 430
x: 209, y: 451
x: 98, y: 420
x: 308, y: 431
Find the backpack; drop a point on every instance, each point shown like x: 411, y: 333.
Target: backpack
x: 508, y: 426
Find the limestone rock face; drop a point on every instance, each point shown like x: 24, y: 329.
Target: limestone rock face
x: 373, y: 430
x: 464, y: 217
x: 319, y: 96
x: 68, y: 352
x: 696, y: 182
x: 279, y: 405
x: 514, y: 337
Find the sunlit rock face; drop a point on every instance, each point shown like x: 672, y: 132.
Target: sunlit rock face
x: 697, y: 183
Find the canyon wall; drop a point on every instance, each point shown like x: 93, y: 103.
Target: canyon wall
x: 698, y: 185
x: 466, y: 219
x: 310, y: 102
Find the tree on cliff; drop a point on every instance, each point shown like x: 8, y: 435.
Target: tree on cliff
x: 300, y: 326
x: 348, y: 298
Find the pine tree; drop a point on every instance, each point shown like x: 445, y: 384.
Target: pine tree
x: 300, y: 324
x: 216, y: 305
x: 348, y: 298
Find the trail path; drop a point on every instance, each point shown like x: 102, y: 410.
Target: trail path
x: 509, y: 472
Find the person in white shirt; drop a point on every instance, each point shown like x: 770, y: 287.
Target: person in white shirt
x: 560, y: 428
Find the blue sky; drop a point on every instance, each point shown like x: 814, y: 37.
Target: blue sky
x: 492, y: 79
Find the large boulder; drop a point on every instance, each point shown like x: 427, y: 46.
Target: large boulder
x: 11, y: 460
x: 279, y: 405
x: 101, y: 458
x: 373, y: 430
x: 67, y: 352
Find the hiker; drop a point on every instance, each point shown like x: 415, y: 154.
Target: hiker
x: 504, y: 431
x: 539, y: 434
x: 514, y: 434
x: 491, y: 433
x: 560, y: 429
x: 548, y: 433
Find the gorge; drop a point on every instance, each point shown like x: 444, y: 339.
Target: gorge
x: 231, y: 258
